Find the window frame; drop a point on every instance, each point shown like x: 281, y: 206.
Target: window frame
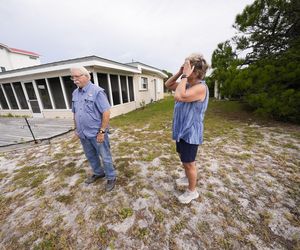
x: 144, y: 85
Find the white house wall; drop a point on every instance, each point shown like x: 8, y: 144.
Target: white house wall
x: 5, y: 59
x: 11, y: 60
x: 21, y: 61
x: 146, y: 96
x: 123, y: 109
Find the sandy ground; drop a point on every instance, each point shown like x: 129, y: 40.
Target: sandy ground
x: 248, y: 179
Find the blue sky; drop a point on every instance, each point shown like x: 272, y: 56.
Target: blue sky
x: 160, y: 33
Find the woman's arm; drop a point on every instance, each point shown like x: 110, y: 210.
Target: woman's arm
x: 195, y: 93
x: 171, y: 83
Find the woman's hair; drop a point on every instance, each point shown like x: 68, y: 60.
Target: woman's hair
x: 82, y: 70
x: 200, y: 64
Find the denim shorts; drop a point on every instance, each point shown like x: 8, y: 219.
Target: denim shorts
x: 186, y: 151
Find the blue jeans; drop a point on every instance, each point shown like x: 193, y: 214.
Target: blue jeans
x: 93, y: 150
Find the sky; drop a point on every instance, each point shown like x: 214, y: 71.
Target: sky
x: 160, y: 33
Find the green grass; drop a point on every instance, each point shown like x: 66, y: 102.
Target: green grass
x: 66, y: 199
x: 2, y: 175
x: 125, y: 213
x: 203, y: 227
x: 105, y: 237
x: 126, y: 168
x: 159, y: 215
x: 156, y: 113
x: 29, y: 176
x: 221, y: 118
x: 178, y: 227
x: 150, y: 156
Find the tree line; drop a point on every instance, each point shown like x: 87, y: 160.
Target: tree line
x: 260, y: 64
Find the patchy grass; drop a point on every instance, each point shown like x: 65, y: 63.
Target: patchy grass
x: 248, y: 179
x: 3, y: 175
x: 178, y: 227
x: 125, y: 213
x: 105, y: 238
x: 66, y: 199
x: 29, y: 176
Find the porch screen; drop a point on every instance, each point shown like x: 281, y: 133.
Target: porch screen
x: 44, y: 93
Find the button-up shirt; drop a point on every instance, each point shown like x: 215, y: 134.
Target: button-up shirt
x: 88, y: 105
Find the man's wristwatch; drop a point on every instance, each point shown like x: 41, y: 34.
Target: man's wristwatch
x: 101, y: 131
x: 183, y: 76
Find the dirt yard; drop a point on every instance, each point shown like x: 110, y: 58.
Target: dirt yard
x: 248, y: 180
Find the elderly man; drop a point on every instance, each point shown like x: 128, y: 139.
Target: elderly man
x: 91, y: 111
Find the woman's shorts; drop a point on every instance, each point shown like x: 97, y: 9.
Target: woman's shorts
x: 186, y: 151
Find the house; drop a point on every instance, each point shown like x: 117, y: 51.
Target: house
x: 45, y: 90
x: 12, y: 58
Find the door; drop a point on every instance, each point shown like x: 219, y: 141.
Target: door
x: 32, y: 99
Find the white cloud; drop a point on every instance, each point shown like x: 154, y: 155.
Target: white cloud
x: 160, y: 33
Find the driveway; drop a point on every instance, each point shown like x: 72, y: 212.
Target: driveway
x: 15, y: 130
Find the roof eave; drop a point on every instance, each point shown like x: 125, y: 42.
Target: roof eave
x: 156, y: 71
x: 67, y: 64
x: 145, y: 67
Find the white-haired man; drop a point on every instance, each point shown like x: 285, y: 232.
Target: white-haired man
x: 91, y: 111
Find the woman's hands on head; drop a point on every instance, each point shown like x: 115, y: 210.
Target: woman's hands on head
x: 181, y: 69
x: 187, y: 69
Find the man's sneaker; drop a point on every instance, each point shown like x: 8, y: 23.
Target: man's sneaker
x: 93, y: 178
x: 182, y: 181
x: 188, y: 196
x: 110, y: 185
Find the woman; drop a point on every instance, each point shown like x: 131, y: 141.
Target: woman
x: 191, y: 96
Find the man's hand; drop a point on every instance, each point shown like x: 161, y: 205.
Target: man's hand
x: 100, y: 138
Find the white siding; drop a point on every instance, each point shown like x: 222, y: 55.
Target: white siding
x: 11, y: 60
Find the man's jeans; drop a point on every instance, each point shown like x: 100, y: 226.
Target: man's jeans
x: 93, y: 150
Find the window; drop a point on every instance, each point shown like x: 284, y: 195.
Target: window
x: 20, y: 95
x: 103, y: 83
x: 56, y: 90
x: 44, y: 94
x: 70, y: 86
x: 10, y: 96
x: 115, y: 89
x: 30, y: 91
x: 3, y: 102
x: 130, y: 86
x: 144, y: 83
x: 124, y: 89
x: 92, y: 77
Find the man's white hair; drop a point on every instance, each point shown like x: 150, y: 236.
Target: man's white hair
x: 82, y: 70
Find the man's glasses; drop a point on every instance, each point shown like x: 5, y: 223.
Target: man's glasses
x: 75, y: 77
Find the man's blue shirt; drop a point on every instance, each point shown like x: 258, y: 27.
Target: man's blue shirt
x: 88, y: 105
